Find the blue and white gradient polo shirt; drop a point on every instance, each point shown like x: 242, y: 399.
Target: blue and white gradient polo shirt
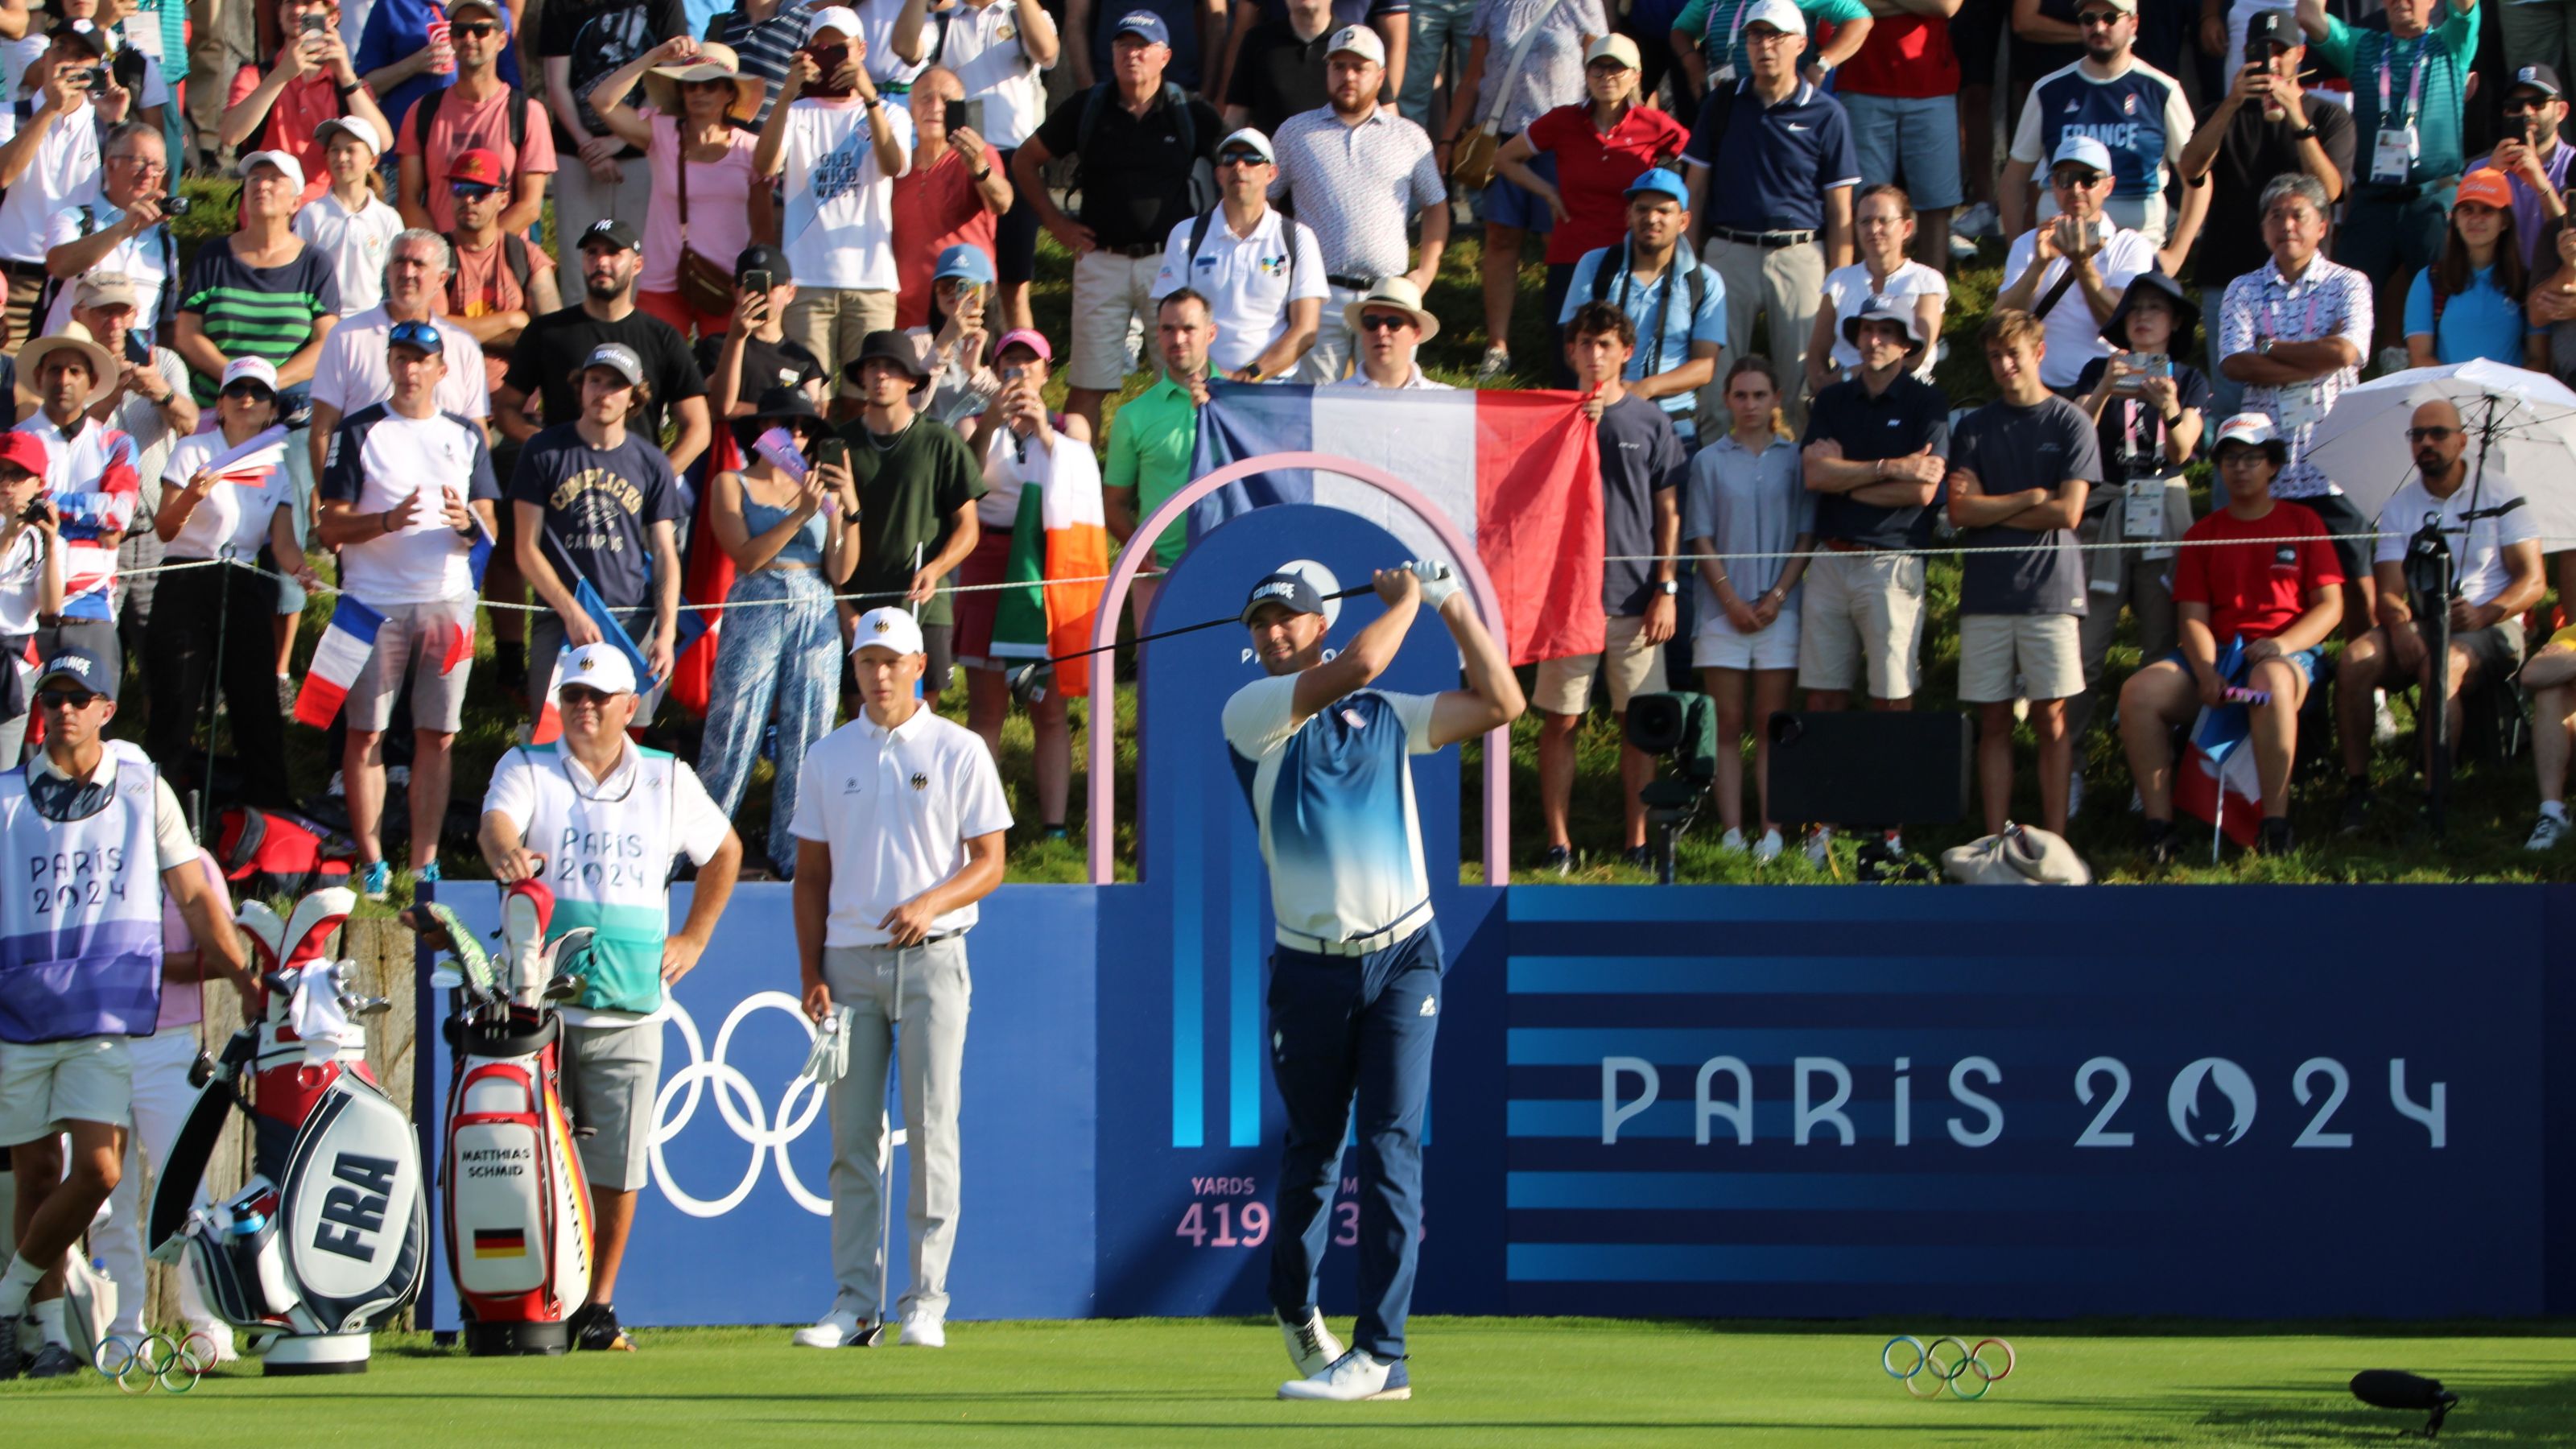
x: 1333, y: 799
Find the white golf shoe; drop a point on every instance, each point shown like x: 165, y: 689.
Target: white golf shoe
x: 924, y: 1330
x: 1311, y: 1345
x: 1356, y: 1376
x: 835, y: 1329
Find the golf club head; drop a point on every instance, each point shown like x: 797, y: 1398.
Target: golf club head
x: 872, y: 1336
x: 561, y: 988
x: 1031, y: 683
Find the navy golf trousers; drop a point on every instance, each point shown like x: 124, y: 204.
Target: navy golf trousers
x: 1345, y: 1029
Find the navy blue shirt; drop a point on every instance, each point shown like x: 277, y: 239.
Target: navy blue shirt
x: 600, y: 507
x: 1770, y: 166
x: 1640, y: 457
x: 2139, y: 116
x: 1910, y: 416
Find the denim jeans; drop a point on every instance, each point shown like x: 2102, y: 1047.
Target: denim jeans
x: 786, y: 649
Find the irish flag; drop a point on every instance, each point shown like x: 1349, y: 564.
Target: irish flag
x: 337, y: 661
x: 1059, y: 533
x: 1518, y: 473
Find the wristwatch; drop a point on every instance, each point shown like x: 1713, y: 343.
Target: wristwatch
x: 1668, y: 587
x: 2307, y: 132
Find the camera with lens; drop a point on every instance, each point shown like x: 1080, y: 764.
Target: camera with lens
x: 1679, y: 729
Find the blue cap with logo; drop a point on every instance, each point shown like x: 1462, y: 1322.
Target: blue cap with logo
x: 966, y: 263
x: 1144, y: 25
x: 83, y: 667
x: 423, y: 336
x: 1656, y: 181
x: 1288, y: 589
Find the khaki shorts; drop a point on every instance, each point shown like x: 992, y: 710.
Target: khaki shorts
x: 1861, y: 620
x: 414, y: 640
x: 832, y: 322
x: 1113, y: 316
x: 610, y: 1077
x: 1565, y: 685
x: 44, y: 1085
x: 2045, y: 651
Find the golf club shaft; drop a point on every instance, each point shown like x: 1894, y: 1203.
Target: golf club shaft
x: 1350, y: 593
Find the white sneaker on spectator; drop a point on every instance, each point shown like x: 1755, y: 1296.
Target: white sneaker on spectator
x: 1768, y: 848
x: 1732, y: 842
x: 1979, y: 221
x: 1962, y: 249
x: 1820, y: 846
x: 2383, y: 721
x: 2549, y: 832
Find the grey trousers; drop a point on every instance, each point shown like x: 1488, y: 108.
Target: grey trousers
x: 909, y: 1003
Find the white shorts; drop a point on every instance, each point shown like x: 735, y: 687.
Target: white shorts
x: 2044, y: 650
x: 1718, y: 644
x: 44, y: 1085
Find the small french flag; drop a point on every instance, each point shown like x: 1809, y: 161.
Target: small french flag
x: 549, y: 726
x: 337, y: 661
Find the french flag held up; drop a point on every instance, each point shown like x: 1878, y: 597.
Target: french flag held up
x: 337, y: 661
x: 1519, y: 473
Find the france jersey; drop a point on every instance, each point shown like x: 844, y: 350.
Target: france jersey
x: 2138, y: 115
x: 1332, y: 798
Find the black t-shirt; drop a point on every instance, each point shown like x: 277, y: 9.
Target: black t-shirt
x: 1278, y: 74
x: 2013, y: 449
x: 601, y: 505
x: 554, y: 347
x: 765, y: 364
x: 598, y: 36
x: 1910, y: 416
x: 909, y: 489
x: 1136, y: 175
x: 2132, y: 430
x: 2250, y: 153
x: 1641, y: 456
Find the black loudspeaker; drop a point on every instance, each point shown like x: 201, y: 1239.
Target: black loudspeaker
x: 1871, y: 767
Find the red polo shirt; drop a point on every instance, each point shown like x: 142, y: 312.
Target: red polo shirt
x: 1594, y: 167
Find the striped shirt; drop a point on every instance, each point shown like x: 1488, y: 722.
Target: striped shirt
x: 1357, y: 186
x: 249, y: 311
x: 765, y: 47
x: 2328, y: 300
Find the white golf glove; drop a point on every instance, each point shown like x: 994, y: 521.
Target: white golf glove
x: 829, y: 1061
x: 1439, y: 582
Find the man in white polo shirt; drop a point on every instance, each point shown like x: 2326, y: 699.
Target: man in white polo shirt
x: 601, y: 821
x: 1261, y: 270
x: 899, y: 827
x: 351, y: 374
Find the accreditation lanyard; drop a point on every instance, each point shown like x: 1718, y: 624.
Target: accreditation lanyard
x: 2308, y: 322
x: 2151, y: 447
x: 2414, y: 79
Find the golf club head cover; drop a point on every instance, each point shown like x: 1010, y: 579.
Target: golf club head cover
x: 527, y: 908
x: 1439, y: 581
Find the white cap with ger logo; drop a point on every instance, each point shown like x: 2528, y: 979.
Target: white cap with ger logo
x: 888, y: 628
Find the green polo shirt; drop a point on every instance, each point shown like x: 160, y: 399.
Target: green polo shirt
x: 1151, y: 442
x: 2447, y: 49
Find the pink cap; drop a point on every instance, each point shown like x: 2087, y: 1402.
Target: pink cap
x: 1028, y: 337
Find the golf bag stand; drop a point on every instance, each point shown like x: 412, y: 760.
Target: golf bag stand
x: 329, y: 1238
x: 519, y: 1233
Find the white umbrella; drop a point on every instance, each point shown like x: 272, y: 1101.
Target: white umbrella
x: 2526, y: 422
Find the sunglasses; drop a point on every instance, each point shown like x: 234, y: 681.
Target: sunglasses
x: 575, y: 695
x: 1384, y: 321
x: 66, y: 698
x: 1241, y: 158
x: 249, y: 392
x: 470, y: 190
x: 475, y: 27
x: 2102, y: 18
x: 2076, y: 181
x: 2524, y: 105
x: 2429, y: 435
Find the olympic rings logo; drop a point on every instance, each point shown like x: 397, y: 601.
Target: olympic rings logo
x: 174, y: 1364
x: 738, y: 1102
x: 1930, y: 1370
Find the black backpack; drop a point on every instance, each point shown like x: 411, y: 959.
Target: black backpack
x: 1203, y: 194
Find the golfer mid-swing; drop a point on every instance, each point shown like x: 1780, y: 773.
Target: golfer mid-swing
x: 1355, y: 981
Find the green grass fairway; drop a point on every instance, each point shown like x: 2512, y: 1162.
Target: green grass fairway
x: 1481, y: 1382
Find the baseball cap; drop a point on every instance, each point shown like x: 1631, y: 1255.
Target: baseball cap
x: 1251, y: 138
x: 760, y: 258
x: 888, y: 628
x: 2486, y: 188
x: 833, y: 17
x: 1780, y: 15
x: 479, y: 166
x: 602, y: 666
x: 80, y: 32
x: 618, y: 358
x: 2083, y: 151
x: 1028, y: 337
x: 2252, y: 429
x: 1144, y: 25
x: 2125, y: 7
x: 358, y: 126
x: 292, y: 169
x: 2276, y: 28
x: 2540, y: 78
x: 614, y: 232
x: 965, y: 262
x: 1617, y: 47
x: 252, y: 369
x: 105, y: 289
x: 1656, y: 181
x: 1357, y: 40
x: 422, y: 335
x: 82, y: 667
x: 1287, y: 588
x: 24, y: 451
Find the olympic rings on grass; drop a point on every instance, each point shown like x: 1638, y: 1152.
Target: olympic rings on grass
x: 1933, y: 1367
x: 136, y: 1366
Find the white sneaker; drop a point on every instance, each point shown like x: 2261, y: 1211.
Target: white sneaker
x: 1732, y: 842
x: 924, y: 1330
x: 1311, y: 1345
x: 2547, y: 834
x: 1768, y: 848
x: 1355, y: 1376
x: 1980, y: 220
x: 1820, y: 846
x: 218, y: 1333
x: 833, y: 1330
x: 2383, y: 721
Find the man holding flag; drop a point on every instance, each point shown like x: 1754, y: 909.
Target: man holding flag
x: 407, y: 496
x: 2255, y: 615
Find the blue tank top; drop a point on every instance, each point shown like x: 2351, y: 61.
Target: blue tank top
x: 805, y: 548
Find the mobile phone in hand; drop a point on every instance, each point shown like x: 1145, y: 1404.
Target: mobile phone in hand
x: 965, y: 116
x: 829, y: 451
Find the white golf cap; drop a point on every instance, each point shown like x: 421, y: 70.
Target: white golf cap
x: 2251, y: 428
x: 1249, y: 136
x: 602, y: 666
x: 1780, y: 15
x: 254, y: 369
x: 888, y: 628
x: 293, y: 169
x: 357, y: 126
x: 2084, y: 151
x: 1357, y: 40
x: 834, y: 17
x: 1617, y: 47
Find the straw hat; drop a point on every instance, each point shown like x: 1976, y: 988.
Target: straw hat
x: 716, y: 61
x: 103, y: 370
